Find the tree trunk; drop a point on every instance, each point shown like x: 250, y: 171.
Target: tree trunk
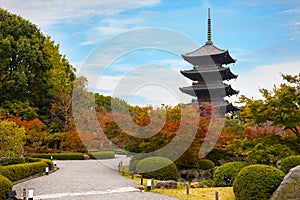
x: 296, y: 131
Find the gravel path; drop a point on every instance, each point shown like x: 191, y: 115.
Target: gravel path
x: 88, y: 179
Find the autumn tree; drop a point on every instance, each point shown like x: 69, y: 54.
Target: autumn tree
x: 11, y: 139
x: 281, y: 106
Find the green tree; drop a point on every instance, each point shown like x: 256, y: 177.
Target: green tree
x: 24, y: 61
x: 61, y: 79
x: 33, y: 71
x: 11, y: 139
x: 281, y: 106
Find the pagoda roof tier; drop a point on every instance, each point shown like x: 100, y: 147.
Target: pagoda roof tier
x: 205, y: 74
x: 223, y: 105
x: 207, y: 54
x: 207, y: 90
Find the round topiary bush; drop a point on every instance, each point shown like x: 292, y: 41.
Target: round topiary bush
x: 289, y: 162
x: 257, y: 182
x: 158, y: 168
x: 5, y: 186
x: 229, y: 169
x: 135, y: 159
x: 203, y: 164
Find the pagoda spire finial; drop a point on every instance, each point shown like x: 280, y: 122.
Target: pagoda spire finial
x: 209, y: 29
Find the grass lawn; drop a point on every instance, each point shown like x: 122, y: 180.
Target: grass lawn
x: 225, y: 193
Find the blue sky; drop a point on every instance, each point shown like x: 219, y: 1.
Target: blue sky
x: 263, y: 35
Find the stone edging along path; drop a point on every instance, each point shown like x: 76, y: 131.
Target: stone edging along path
x: 86, y: 179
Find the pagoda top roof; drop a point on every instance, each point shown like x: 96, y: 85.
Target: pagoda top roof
x: 208, y: 53
x: 206, y: 50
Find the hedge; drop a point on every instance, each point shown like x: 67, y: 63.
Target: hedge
x: 5, y: 186
x: 11, y: 161
x: 20, y: 171
x: 229, y: 169
x: 289, y: 162
x: 102, y: 155
x: 158, y: 168
x: 60, y: 156
x: 257, y: 182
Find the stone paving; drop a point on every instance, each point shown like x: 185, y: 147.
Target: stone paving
x: 89, y: 180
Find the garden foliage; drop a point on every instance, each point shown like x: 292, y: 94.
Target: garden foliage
x: 289, y: 162
x: 158, y: 168
x: 257, y: 182
x: 229, y: 169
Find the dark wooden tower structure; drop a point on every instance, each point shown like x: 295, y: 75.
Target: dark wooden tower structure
x: 209, y: 74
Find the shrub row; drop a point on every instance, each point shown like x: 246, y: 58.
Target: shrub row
x: 102, y: 155
x: 11, y: 161
x: 60, y: 156
x: 5, y: 186
x: 20, y: 171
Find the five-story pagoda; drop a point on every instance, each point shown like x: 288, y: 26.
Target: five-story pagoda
x: 209, y: 75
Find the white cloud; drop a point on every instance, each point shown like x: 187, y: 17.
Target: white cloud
x: 51, y: 12
x: 154, y: 84
x: 250, y: 81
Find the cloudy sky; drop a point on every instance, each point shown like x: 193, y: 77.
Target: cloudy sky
x: 131, y: 49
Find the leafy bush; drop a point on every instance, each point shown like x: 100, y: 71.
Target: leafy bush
x: 203, y: 164
x: 289, y: 162
x: 267, y: 149
x: 61, y: 156
x: 268, y: 154
x: 158, y: 168
x: 20, y: 171
x: 207, y: 183
x: 257, y: 182
x: 232, y: 169
x: 217, y: 155
x: 5, y: 186
x: 102, y: 155
x: 135, y: 159
x: 11, y: 161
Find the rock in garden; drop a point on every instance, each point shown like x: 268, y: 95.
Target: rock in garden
x: 170, y: 184
x: 289, y: 188
x: 195, y: 185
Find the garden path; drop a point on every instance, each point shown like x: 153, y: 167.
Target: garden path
x: 86, y: 179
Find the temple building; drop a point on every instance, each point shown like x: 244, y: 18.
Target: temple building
x: 208, y: 75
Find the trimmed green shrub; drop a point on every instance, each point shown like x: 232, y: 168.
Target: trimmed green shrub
x: 20, y: 171
x: 5, y: 186
x: 158, y: 168
x: 232, y: 169
x: 203, y: 164
x: 11, y: 161
x: 289, y: 162
x: 102, y: 155
x: 61, y: 156
x: 257, y: 182
x: 207, y: 183
x: 135, y: 159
